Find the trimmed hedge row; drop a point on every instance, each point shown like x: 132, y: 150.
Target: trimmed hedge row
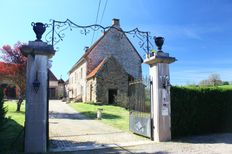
x: 200, y: 110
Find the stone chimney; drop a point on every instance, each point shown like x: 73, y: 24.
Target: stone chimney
x: 86, y: 48
x: 115, y: 22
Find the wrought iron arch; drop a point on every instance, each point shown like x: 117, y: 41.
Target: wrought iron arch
x: 58, y: 28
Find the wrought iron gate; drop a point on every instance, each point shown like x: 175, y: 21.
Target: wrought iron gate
x: 140, y: 119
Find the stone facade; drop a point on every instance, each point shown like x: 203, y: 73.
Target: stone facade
x: 111, y: 77
x: 115, y: 44
x: 107, y: 66
x: 91, y: 90
x: 77, y: 81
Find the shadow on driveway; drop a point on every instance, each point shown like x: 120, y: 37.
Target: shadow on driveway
x: 207, y: 139
x: 80, y: 116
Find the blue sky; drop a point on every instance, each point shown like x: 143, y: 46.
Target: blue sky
x: 198, y: 33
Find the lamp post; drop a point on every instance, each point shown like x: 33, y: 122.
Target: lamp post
x: 36, y: 83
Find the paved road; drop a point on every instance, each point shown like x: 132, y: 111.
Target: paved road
x: 69, y: 130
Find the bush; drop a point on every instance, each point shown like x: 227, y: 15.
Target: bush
x: 198, y: 110
x: 2, y: 110
x: 122, y: 100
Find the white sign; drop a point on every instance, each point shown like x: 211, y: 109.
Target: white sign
x: 164, y: 111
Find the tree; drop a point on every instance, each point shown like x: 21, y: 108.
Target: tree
x: 226, y: 83
x: 213, y: 80
x: 16, y: 70
x: 204, y: 83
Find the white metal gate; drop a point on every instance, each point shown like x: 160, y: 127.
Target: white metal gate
x: 140, y: 119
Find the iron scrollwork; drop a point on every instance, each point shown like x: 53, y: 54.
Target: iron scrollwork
x: 165, y: 81
x: 58, y: 28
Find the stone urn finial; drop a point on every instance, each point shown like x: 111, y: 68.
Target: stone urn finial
x: 159, y: 41
x: 39, y: 28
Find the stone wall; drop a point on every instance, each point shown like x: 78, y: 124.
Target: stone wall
x: 116, y: 44
x: 91, y: 90
x: 111, y: 76
x: 77, y: 82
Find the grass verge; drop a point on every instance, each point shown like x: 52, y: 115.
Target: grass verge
x: 9, y: 135
x: 112, y: 115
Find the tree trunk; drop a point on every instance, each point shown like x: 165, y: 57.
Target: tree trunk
x: 19, y: 103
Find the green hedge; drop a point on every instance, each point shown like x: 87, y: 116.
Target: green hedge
x: 198, y: 110
x: 2, y: 109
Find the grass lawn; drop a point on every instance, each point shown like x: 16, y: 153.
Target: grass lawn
x: 12, y: 128
x: 226, y: 86
x: 112, y: 115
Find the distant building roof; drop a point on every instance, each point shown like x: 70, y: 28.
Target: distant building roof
x: 52, y: 77
x: 8, y: 68
x: 61, y: 81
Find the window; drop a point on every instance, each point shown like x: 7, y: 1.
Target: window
x: 75, y: 77
x: 90, y: 93
x: 81, y: 90
x: 81, y: 73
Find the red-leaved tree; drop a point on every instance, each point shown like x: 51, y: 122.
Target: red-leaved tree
x: 16, y: 69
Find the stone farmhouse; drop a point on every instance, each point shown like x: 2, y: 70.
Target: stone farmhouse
x: 105, y: 69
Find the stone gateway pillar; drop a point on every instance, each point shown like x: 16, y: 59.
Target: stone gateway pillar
x: 160, y: 92
x: 36, y: 123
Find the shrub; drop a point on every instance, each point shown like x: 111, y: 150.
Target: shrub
x: 2, y: 110
x: 198, y: 110
x: 122, y: 100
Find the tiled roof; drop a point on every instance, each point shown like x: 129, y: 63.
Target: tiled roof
x: 96, y: 69
x: 7, y: 68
